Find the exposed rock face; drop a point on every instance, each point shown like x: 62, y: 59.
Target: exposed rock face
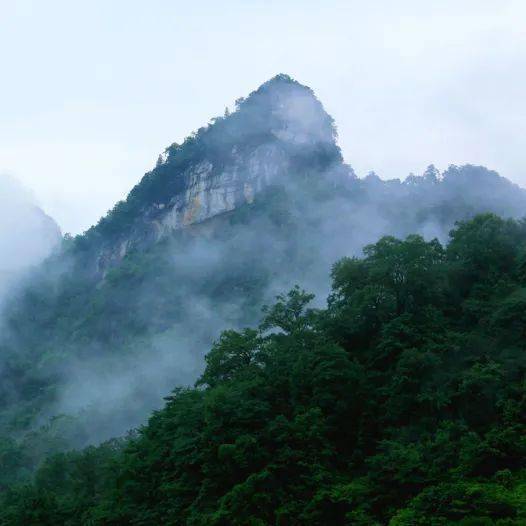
x: 279, y: 130
x: 207, y: 194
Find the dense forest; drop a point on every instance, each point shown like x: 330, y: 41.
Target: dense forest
x: 399, y: 400
x: 402, y: 402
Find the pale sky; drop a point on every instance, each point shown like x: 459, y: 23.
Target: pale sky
x: 92, y: 91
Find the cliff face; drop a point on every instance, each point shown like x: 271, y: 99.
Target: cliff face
x: 207, y: 192
x: 207, y: 195
x: 278, y: 132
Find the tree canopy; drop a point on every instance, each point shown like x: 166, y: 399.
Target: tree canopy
x: 401, y: 403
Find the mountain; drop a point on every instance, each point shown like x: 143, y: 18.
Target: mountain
x: 248, y: 206
x: 401, y: 403
x: 279, y: 132
x: 27, y: 234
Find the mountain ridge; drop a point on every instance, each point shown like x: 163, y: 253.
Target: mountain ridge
x: 279, y: 129
x: 108, y: 325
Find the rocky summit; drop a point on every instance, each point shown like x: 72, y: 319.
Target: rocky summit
x: 276, y: 132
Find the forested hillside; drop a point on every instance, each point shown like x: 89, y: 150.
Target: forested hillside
x: 402, y: 403
x: 245, y: 208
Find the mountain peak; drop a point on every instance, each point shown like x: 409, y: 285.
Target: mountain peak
x: 279, y: 130
x: 280, y: 82
x: 292, y: 111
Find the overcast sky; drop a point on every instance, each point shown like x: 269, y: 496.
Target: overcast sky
x: 92, y: 91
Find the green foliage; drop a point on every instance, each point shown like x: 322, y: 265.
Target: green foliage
x: 253, y: 123
x: 394, y: 405
x: 233, y: 354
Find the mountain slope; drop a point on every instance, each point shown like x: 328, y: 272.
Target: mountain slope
x: 280, y: 130
x: 243, y: 209
x: 402, y: 403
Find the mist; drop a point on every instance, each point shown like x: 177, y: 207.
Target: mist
x: 127, y: 312
x: 410, y: 84
x: 27, y: 234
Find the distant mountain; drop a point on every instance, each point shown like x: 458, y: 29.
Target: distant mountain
x: 27, y: 234
x: 258, y: 200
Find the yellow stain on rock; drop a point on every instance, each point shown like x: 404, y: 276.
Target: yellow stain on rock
x: 192, y: 210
